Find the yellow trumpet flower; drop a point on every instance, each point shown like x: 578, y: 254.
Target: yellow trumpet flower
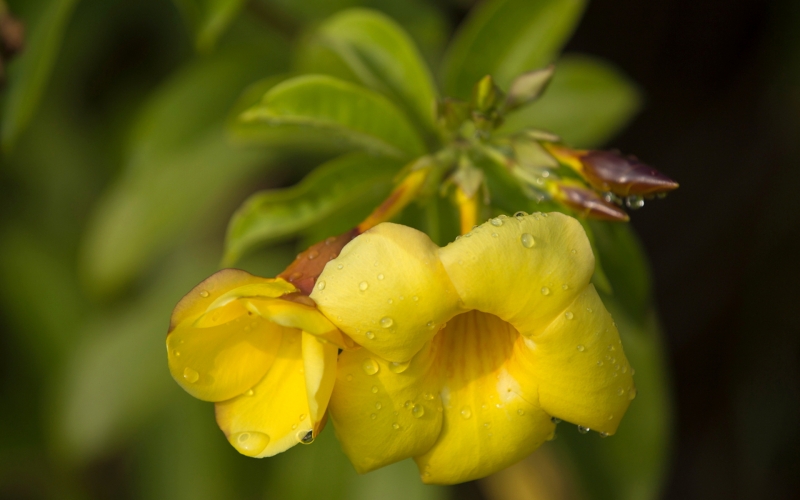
x: 261, y: 352
x: 469, y: 351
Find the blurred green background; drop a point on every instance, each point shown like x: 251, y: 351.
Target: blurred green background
x: 118, y: 175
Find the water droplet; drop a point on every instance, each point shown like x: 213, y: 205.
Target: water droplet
x: 624, y: 369
x: 428, y: 396
x: 380, y: 276
x: 599, y: 362
x: 396, y: 426
x: 545, y: 290
x: 294, y: 426
x: 417, y: 411
x: 302, y: 416
x: 589, y: 309
x: 250, y: 392
x: 573, y: 251
x: 429, y: 324
x: 390, y: 301
x: 204, y: 293
x: 373, y: 416
x: 569, y: 315
x: 190, y: 375
x: 583, y: 430
x: 370, y: 366
x: 305, y: 437
x: 396, y: 367
x: 581, y: 348
x: 407, y: 404
x: 603, y: 434
x: 378, y: 406
x: 611, y: 417
x: 176, y: 353
x: 632, y: 393
x: 466, y: 412
x: 374, y: 389
x: 496, y: 222
x: 349, y: 378
x: 520, y: 215
x: 249, y: 443
x: 520, y: 412
x: 527, y: 240
x: 552, y: 436
x: 555, y: 420
x: 340, y: 267
x: 370, y: 335
x: 494, y: 235
x: 313, y: 254
x: 633, y: 371
x: 620, y: 391
x: 415, y: 298
x: 363, y: 286
x: 387, y: 322
x: 321, y: 285
x: 458, y: 237
x: 611, y: 347
x: 634, y: 202
x: 295, y: 276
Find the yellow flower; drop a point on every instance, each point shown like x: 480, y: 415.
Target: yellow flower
x: 470, y: 350
x: 266, y: 358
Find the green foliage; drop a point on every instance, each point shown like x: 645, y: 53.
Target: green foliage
x: 208, y: 19
x: 275, y: 215
x: 27, y: 76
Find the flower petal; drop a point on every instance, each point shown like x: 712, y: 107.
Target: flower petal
x: 220, y: 361
x: 276, y: 416
x: 488, y: 424
x: 384, y: 412
x: 300, y: 316
x: 388, y: 291
x: 200, y: 298
x: 319, y: 368
x: 523, y: 269
x: 582, y: 373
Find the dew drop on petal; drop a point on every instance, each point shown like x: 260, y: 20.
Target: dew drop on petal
x: 545, y: 290
x: 249, y: 443
x: 340, y: 267
x: 313, y: 254
x: 555, y: 420
x: 632, y: 393
x: 400, y: 367
x: 496, y: 222
x: 569, y: 315
x: 417, y: 411
x: 250, y: 392
x: 527, y: 240
x: 370, y: 366
x: 302, y: 416
x: 378, y: 406
x: 599, y: 362
x: 190, y: 375
x: 305, y: 437
x: 603, y: 434
x: 466, y: 412
x: 380, y: 276
x: 494, y: 235
x: 363, y: 286
x: 573, y: 251
x: 374, y: 389
x: 373, y: 416
x: 396, y: 426
x: 321, y: 285
x: 520, y: 412
x: 407, y: 404
x: 387, y: 322
x: 520, y: 215
x: 583, y: 430
x: 581, y: 348
x: 204, y: 293
x: 620, y: 391
x: 565, y: 287
x: 428, y: 396
x: 415, y: 298
x: 430, y: 324
x: 370, y: 335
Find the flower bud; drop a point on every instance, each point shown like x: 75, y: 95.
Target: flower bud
x: 528, y: 87
x: 308, y: 265
x: 588, y: 203
x: 623, y: 176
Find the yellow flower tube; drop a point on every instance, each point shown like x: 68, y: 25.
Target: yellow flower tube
x: 471, y: 349
x: 255, y: 348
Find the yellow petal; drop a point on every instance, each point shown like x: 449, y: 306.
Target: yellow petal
x: 319, y: 367
x: 197, y: 301
x: 489, y: 423
x: 578, y: 364
x: 300, y: 316
x: 221, y: 361
x: 384, y: 412
x: 388, y: 291
x: 275, y: 415
x: 525, y: 269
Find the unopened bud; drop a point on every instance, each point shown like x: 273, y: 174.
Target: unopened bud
x: 588, y: 203
x: 486, y: 95
x: 623, y: 176
x: 308, y: 265
x: 527, y: 87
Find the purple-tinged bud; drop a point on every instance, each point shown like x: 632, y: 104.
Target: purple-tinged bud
x: 588, y: 203
x: 623, y: 176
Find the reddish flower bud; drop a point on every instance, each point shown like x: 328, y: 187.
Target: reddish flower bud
x: 588, y: 203
x: 623, y: 176
x: 308, y: 265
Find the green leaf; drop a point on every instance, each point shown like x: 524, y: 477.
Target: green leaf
x: 209, y: 19
x: 180, y: 169
x: 586, y: 103
x: 384, y: 58
x: 270, y: 216
x: 505, y: 38
x: 45, y: 23
x: 355, y: 114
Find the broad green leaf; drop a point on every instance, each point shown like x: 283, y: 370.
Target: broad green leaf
x: 45, y: 23
x: 384, y: 58
x: 270, y: 216
x: 586, y: 103
x: 505, y: 38
x: 179, y: 170
x: 209, y: 19
x: 355, y: 114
